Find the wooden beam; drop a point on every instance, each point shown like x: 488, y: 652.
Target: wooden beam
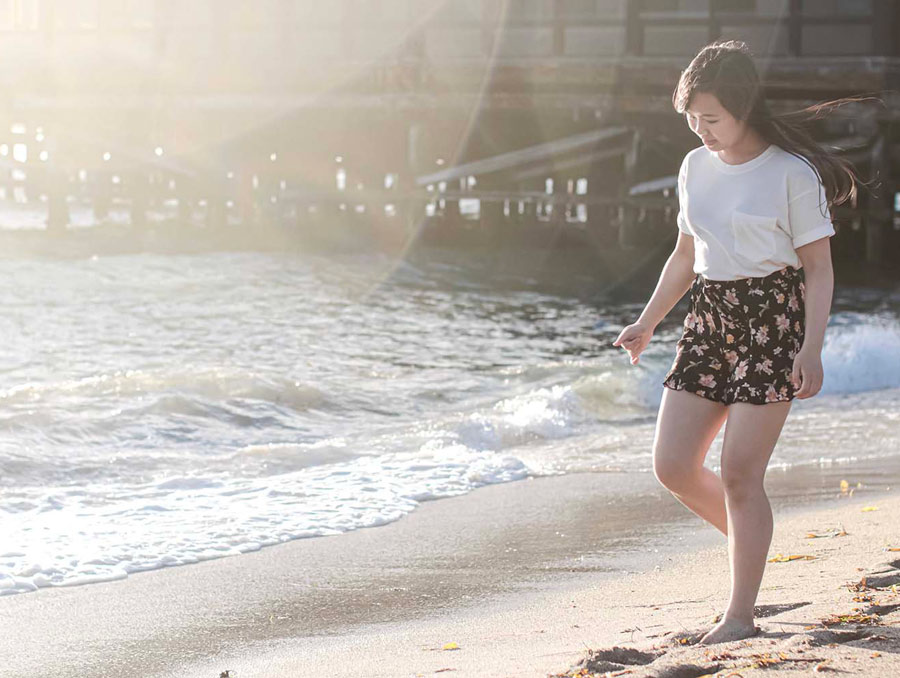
x: 884, y: 36
x: 524, y: 156
x: 715, y: 24
x: 634, y: 29
x: 559, y: 28
x: 795, y: 28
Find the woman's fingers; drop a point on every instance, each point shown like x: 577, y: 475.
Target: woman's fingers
x: 630, y: 340
x: 803, y: 390
x: 795, y: 374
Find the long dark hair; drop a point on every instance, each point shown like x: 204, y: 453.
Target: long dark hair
x: 725, y: 68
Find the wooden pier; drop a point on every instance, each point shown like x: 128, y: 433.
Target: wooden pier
x: 506, y: 124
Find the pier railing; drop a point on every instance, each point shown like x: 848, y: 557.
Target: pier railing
x: 287, y: 41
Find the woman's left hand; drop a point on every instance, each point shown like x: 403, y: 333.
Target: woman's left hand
x: 807, y: 373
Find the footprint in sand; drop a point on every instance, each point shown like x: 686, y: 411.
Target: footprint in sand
x: 614, y: 659
x: 819, y: 637
x: 686, y: 671
x: 619, y: 658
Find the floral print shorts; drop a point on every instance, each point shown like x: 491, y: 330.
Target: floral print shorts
x: 740, y: 338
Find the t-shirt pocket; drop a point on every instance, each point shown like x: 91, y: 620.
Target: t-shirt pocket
x: 754, y: 235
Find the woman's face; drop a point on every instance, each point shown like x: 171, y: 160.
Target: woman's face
x: 715, y: 126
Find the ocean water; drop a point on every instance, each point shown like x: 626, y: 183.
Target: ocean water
x: 161, y: 410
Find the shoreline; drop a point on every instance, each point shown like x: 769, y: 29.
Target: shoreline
x: 494, y: 553
x: 646, y: 624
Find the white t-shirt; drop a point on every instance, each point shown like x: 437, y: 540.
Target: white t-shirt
x: 747, y: 220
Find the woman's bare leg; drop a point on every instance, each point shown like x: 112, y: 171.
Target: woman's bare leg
x: 750, y: 437
x: 685, y: 428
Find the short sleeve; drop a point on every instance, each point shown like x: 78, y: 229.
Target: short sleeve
x: 680, y: 220
x: 809, y: 217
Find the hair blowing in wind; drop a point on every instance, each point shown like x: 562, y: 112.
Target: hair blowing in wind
x: 725, y: 68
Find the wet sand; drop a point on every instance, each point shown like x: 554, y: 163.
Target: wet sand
x: 524, y: 576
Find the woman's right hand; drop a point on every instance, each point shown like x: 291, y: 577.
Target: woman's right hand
x: 634, y: 339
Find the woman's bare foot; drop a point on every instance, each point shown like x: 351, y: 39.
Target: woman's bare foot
x: 728, y: 630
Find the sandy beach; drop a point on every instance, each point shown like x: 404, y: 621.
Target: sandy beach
x: 484, y: 571
x: 814, y: 614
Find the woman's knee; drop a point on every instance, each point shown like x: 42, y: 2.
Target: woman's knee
x: 673, y: 473
x: 740, y: 482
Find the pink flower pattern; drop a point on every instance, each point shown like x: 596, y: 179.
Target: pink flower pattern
x: 740, y: 338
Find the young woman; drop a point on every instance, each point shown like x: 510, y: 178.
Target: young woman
x: 753, y: 249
